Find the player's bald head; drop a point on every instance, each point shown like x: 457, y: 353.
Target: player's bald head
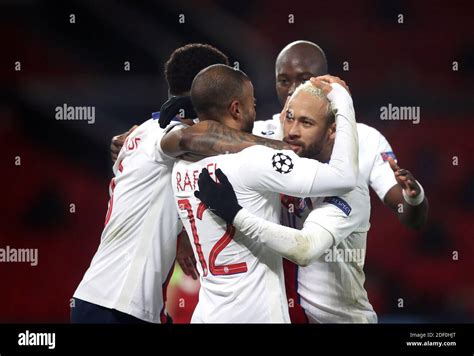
x: 215, y: 87
x: 303, y: 53
x: 296, y: 63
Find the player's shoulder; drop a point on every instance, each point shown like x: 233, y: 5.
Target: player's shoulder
x: 152, y: 125
x: 222, y: 160
x: 365, y: 131
x: 257, y: 151
x: 371, y: 138
x: 148, y: 128
x: 146, y: 125
x: 151, y: 134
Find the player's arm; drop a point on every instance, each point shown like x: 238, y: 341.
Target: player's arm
x: 320, y: 232
x: 210, y: 138
x: 299, y: 246
x: 407, y: 198
x: 285, y: 172
x: 185, y: 255
x: 396, y: 187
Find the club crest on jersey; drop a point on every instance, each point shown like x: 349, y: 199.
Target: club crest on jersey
x: 385, y: 156
x: 282, y: 163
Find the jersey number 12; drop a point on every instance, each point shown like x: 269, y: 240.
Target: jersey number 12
x: 216, y: 270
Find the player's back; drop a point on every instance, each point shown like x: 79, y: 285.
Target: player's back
x: 241, y: 282
x: 138, y: 243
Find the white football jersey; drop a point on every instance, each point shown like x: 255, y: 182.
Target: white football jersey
x: 242, y: 282
x: 269, y: 128
x: 332, y: 288
x: 135, y: 258
x: 374, y: 150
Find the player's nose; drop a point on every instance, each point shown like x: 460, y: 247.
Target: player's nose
x: 294, y: 130
x: 292, y: 88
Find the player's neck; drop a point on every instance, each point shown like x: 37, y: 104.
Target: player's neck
x: 231, y: 123
x: 227, y: 121
x: 325, y: 154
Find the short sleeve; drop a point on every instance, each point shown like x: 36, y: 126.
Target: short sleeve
x: 381, y: 177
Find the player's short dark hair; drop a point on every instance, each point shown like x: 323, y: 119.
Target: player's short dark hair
x: 214, y: 88
x: 330, y: 118
x: 185, y: 62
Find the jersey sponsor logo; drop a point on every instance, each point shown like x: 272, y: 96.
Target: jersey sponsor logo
x: 268, y: 133
x: 282, y: 163
x: 385, y: 156
x: 340, y: 203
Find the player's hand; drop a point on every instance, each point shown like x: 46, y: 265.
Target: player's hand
x: 285, y: 109
x: 336, y: 91
x: 321, y: 84
x: 185, y: 256
x: 117, y: 143
x: 174, y: 106
x: 333, y: 79
x: 405, y: 179
x: 219, y: 197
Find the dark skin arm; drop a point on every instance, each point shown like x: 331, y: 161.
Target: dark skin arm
x: 413, y: 217
x: 185, y: 256
x: 210, y: 138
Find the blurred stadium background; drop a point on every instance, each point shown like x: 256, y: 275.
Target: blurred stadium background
x: 68, y: 162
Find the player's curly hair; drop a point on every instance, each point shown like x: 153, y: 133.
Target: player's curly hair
x: 187, y: 61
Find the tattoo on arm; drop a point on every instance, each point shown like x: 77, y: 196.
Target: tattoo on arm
x: 219, y: 139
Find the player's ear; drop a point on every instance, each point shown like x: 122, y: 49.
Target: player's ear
x: 235, y: 109
x: 332, y: 131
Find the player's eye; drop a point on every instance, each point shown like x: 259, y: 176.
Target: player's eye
x: 289, y: 115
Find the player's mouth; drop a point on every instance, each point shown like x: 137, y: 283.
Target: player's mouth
x: 295, y: 147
